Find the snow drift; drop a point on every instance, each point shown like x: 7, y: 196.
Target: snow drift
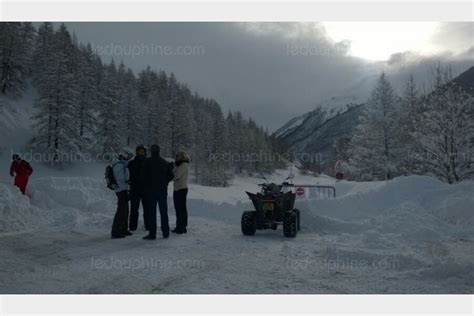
x: 16, y: 212
x: 414, y: 207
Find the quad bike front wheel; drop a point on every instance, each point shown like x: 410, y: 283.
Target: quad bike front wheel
x: 290, y: 224
x: 249, y: 223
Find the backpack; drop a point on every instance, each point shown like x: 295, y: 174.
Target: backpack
x: 110, y: 178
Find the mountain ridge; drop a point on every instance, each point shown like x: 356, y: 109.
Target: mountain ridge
x: 319, y: 130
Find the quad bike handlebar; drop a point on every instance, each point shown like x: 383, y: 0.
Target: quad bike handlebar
x: 327, y: 191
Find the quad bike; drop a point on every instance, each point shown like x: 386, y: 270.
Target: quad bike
x: 273, y: 207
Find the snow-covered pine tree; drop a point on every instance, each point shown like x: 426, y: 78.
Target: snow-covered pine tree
x: 184, y: 127
x: 444, y: 131
x: 161, y: 113
x: 57, y: 89
x: 43, y: 51
x: 226, y: 148
x: 280, y: 149
x: 200, y: 157
x: 256, y: 148
x: 110, y: 132
x: 131, y: 120
x: 238, y: 142
x: 42, y: 67
x: 146, y: 82
x: 121, y: 99
x: 87, y: 98
x: 16, y: 44
x: 28, y: 35
x: 80, y: 97
x: 267, y: 162
x: 210, y: 167
x: 411, y: 95
x: 409, y: 110
x: 175, y: 101
x: 374, y: 149
x: 217, y: 174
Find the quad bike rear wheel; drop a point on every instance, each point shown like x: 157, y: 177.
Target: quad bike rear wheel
x: 290, y: 224
x: 298, y: 219
x: 249, y: 223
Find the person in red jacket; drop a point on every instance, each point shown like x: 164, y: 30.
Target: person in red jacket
x: 21, y: 170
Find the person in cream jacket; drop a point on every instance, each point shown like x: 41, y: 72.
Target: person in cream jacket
x: 180, y: 191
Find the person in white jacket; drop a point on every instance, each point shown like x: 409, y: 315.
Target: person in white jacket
x: 180, y: 191
x: 121, y: 175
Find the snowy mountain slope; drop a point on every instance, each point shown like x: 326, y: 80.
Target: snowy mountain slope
x: 409, y: 235
x: 325, y: 110
x: 466, y: 80
x: 318, y: 133
x: 321, y: 138
x: 318, y: 130
x: 291, y: 125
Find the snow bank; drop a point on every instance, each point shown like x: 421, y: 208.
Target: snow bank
x: 16, y: 212
x: 74, y: 202
x: 410, y: 208
x: 415, y: 208
x: 78, y: 202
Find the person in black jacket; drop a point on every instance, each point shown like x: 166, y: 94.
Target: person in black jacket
x: 136, y: 168
x: 158, y: 173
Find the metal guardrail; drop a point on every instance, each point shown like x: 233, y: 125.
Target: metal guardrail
x: 326, y: 190
x: 322, y: 191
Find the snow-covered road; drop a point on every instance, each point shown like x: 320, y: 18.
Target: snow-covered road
x: 215, y: 258
x: 374, y: 238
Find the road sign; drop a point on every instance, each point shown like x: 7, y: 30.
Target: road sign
x: 300, y: 191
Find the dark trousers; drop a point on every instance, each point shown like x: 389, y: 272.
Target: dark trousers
x: 179, y: 199
x: 154, y: 198
x: 120, y: 224
x: 135, y: 197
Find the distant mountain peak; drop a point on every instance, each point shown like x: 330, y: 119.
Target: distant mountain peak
x: 326, y: 109
x: 466, y: 80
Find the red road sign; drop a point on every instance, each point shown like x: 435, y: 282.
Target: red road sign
x: 300, y: 191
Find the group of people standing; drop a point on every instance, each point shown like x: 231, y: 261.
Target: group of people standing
x: 144, y: 180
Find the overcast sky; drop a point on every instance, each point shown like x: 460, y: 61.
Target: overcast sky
x: 275, y: 71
